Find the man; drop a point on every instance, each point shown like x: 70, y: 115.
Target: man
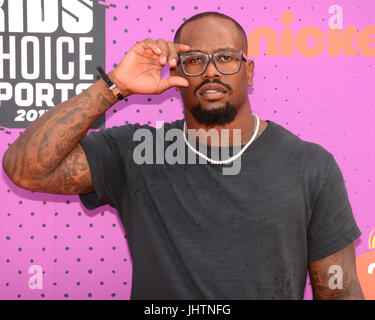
x: 193, y: 232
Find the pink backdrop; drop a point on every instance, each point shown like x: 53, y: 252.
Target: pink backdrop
x: 325, y: 99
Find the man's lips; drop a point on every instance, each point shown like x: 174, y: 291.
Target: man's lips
x: 212, y: 91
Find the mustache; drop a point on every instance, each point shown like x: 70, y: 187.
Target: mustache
x: 227, y: 86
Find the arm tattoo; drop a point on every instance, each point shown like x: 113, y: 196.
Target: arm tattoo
x: 73, y: 176
x: 321, y: 276
x: 46, y: 143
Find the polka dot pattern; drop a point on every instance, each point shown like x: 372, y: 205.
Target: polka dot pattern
x: 84, y: 254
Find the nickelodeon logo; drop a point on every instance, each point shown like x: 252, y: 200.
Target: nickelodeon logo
x: 371, y: 240
x: 366, y: 269
x: 334, y: 40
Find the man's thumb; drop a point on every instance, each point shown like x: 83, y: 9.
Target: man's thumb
x: 173, y: 81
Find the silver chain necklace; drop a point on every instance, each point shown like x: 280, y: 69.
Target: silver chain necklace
x: 230, y: 159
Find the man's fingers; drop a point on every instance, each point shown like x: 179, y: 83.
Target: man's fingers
x: 182, y: 47
x: 167, y: 51
x: 150, y: 44
x: 170, y: 51
x: 172, y: 59
x: 174, y: 49
x: 164, y: 51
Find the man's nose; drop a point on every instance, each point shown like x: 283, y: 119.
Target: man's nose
x: 211, y: 71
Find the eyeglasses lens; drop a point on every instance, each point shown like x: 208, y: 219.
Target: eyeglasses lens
x: 226, y: 61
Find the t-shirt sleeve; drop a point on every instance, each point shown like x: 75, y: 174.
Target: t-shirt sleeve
x: 106, y: 152
x: 332, y: 225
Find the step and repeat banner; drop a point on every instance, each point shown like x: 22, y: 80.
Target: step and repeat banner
x: 314, y: 75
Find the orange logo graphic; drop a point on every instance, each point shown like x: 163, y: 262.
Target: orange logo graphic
x: 333, y: 40
x: 366, y: 269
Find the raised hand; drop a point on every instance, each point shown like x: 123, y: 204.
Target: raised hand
x: 139, y: 70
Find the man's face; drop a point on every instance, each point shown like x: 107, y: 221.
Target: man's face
x: 210, y: 35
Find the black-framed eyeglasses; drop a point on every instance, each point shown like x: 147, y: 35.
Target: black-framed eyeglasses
x: 194, y: 63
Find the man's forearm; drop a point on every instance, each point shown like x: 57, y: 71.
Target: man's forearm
x: 47, y: 141
x: 340, y: 282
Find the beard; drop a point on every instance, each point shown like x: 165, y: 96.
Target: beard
x: 222, y: 115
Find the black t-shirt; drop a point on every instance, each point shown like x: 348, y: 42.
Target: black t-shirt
x: 196, y: 233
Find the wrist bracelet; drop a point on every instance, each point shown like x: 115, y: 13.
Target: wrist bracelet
x: 110, y: 84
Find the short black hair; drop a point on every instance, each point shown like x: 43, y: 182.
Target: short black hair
x: 201, y: 15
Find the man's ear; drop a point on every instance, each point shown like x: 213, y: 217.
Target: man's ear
x: 173, y: 71
x: 250, y: 71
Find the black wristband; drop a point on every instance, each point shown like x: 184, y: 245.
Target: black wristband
x: 110, y: 84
